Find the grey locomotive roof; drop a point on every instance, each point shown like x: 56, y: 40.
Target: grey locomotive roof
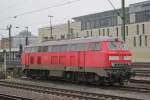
x: 74, y: 41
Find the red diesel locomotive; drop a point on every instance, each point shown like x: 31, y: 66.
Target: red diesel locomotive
x: 94, y: 59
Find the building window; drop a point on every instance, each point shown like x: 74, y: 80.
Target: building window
x: 107, y: 32
x: 94, y: 26
x: 137, y: 29
x: 62, y: 36
x: 45, y: 38
x: 140, y: 40
x: 143, y: 28
x: 127, y: 30
x: 71, y: 30
x: 83, y: 26
x: 99, y: 32
x: 97, y: 23
x: 91, y: 33
x: 103, y: 32
x: 77, y: 34
x: 146, y: 41
x: 87, y: 33
x: 117, y: 31
x: 88, y: 25
x: 134, y: 41
x: 142, y: 16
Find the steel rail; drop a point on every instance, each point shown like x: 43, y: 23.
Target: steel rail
x: 116, y: 87
x: 64, y: 92
x: 12, y: 97
x: 142, y: 75
x: 140, y: 81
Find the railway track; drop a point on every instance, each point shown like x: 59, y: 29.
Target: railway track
x: 140, y: 81
x: 133, y: 89
x: 141, y: 65
x: 124, y: 88
x: 64, y: 92
x: 143, y: 75
x: 116, y: 87
x: 142, y: 71
x: 10, y: 97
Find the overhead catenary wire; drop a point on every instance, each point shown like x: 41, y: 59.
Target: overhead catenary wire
x: 55, y: 22
x: 38, y: 24
x: 39, y: 10
x: 15, y: 4
x: 12, y: 6
x: 46, y: 8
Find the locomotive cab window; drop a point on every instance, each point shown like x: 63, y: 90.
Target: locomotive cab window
x: 32, y: 49
x: 63, y: 48
x: 55, y: 48
x: 82, y: 47
x: 58, y: 48
x: 27, y: 49
x: 78, y: 47
x: 73, y: 47
x: 45, y: 48
x: 117, y: 45
x: 35, y: 49
x: 49, y: 48
x: 95, y: 46
x: 39, y: 49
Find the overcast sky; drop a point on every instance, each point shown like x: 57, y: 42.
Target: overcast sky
x: 10, y: 8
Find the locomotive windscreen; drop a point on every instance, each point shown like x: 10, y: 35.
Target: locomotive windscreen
x: 117, y: 45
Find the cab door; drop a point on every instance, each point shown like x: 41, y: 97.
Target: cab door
x: 81, y: 61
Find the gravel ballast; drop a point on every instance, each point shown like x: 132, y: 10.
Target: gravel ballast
x: 65, y: 85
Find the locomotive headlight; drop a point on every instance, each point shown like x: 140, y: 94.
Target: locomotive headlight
x: 113, y: 57
x: 127, y: 57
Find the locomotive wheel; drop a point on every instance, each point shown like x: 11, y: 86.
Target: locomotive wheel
x: 121, y: 83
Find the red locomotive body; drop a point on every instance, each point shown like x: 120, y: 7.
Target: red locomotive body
x: 94, y: 59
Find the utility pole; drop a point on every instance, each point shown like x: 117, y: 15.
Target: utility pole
x: 26, y: 39
x: 9, y: 29
x: 51, y: 28
x: 123, y: 20
x: 69, y: 30
x: 4, y: 68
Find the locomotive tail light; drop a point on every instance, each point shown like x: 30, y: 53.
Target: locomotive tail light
x: 113, y: 57
x: 127, y: 57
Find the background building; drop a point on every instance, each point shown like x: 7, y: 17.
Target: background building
x: 20, y: 39
x: 13, y: 59
x: 108, y: 23
x: 68, y: 30
x: 4, y: 43
x: 23, y: 37
x: 102, y: 19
